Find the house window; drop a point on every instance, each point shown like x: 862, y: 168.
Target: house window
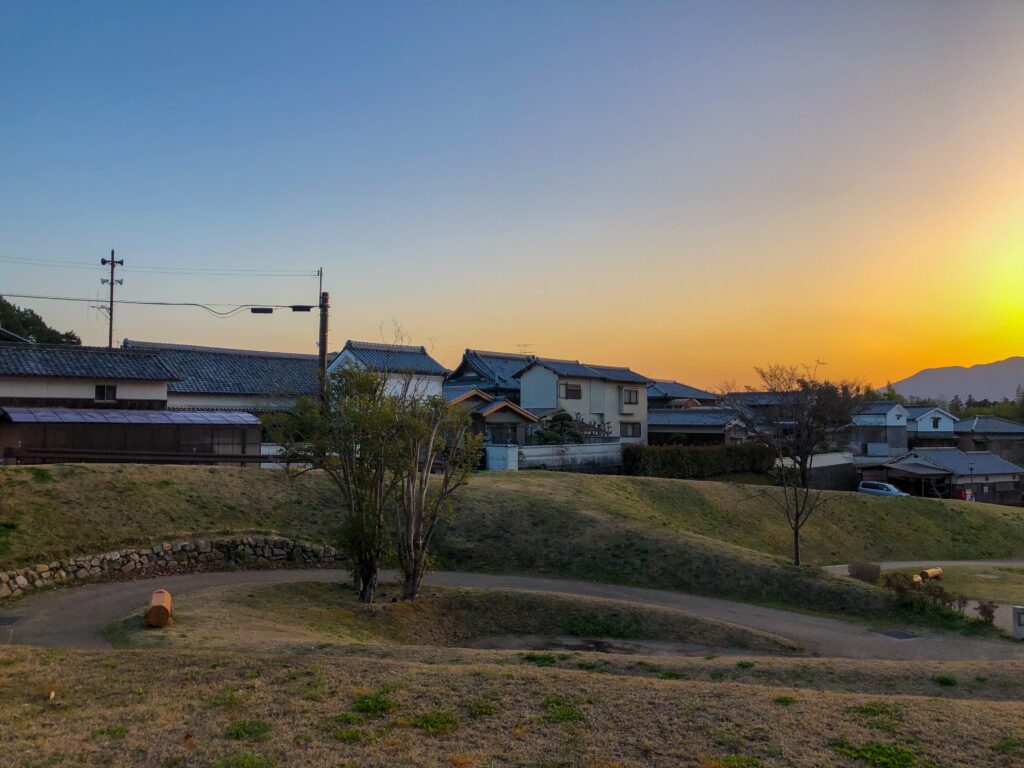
x: 935, y: 422
x: 630, y: 397
x: 630, y: 429
x: 106, y: 393
x: 569, y: 391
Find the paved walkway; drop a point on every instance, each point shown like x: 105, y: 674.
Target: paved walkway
x: 74, y: 617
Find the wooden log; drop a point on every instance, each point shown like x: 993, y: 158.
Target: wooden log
x: 931, y: 573
x: 159, y: 612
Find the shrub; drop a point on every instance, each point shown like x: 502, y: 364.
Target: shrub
x: 987, y: 611
x: 695, y: 462
x: 947, y: 681
x: 881, y: 754
x: 866, y: 572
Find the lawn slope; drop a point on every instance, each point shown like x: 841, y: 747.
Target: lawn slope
x: 706, y: 537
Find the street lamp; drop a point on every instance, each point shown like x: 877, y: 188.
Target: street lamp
x: 970, y: 466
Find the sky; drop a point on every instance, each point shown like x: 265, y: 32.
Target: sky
x: 691, y: 189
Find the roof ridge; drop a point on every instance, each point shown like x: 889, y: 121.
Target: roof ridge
x: 492, y: 353
x: 157, y: 346
x: 385, y: 346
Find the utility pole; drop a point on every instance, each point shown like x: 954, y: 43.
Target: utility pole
x: 110, y: 311
x: 325, y: 306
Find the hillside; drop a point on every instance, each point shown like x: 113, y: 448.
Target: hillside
x: 704, y: 537
x: 992, y: 381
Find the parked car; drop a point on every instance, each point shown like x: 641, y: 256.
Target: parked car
x: 879, y: 489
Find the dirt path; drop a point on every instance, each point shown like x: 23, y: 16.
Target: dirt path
x: 75, y: 617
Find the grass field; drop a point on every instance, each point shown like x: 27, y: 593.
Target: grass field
x: 317, y: 706
x: 706, y: 537
x: 999, y: 584
x: 262, y: 616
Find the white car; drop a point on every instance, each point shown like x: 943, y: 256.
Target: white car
x: 879, y: 489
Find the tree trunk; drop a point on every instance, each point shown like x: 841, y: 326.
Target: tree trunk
x: 411, y: 584
x: 796, y: 545
x: 369, y: 587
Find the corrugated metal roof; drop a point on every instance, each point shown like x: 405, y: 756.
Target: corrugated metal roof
x: 989, y: 425
x: 117, y: 416
x: 690, y: 417
x: 395, y: 358
x: 219, y: 371
x: 73, y: 362
x: 676, y: 390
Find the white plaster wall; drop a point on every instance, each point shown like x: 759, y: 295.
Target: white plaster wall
x: 81, y: 389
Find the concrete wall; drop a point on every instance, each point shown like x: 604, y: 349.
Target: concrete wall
x: 502, y: 456
x: 569, y: 456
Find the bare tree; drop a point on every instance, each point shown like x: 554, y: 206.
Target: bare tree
x: 434, y: 436
x: 796, y: 414
x: 351, y: 434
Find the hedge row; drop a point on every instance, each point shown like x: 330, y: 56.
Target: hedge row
x: 695, y: 462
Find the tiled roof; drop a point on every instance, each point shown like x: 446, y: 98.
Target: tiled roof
x: 73, y: 362
x: 754, y: 399
x: 395, y: 358
x: 988, y: 425
x: 959, y: 462
x: 117, y: 416
x: 495, y: 370
x: 876, y: 408
x: 577, y: 370
x: 219, y: 371
x: 690, y: 417
x: 917, y: 411
x: 676, y: 390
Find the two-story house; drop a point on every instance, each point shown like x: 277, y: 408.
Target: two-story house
x: 879, y: 429
x: 929, y: 426
x: 597, y: 394
x: 409, y: 369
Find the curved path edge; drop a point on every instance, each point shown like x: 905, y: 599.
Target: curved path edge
x: 75, y: 617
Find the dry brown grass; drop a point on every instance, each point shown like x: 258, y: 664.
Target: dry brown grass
x: 262, y: 616
x: 173, y: 707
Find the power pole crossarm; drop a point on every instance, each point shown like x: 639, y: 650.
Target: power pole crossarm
x: 114, y: 263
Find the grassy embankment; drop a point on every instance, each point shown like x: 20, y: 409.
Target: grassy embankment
x: 695, y: 536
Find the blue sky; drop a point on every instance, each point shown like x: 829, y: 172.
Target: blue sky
x: 648, y: 184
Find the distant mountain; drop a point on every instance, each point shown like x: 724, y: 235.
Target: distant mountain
x: 987, y: 381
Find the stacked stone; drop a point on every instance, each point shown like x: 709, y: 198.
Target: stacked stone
x: 172, y: 557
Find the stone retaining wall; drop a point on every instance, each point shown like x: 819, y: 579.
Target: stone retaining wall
x: 172, y: 557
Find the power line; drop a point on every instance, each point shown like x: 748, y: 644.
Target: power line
x: 235, y: 308
x: 210, y: 271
